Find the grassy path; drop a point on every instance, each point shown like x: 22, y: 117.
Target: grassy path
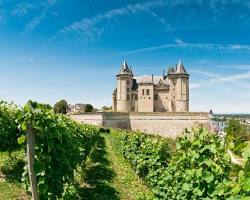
x: 109, y: 177
x: 126, y: 181
x: 10, y: 176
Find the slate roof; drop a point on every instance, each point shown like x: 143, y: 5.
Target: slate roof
x: 148, y: 79
x: 180, y: 68
x: 125, y: 69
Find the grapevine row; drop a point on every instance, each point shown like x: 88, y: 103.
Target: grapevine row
x: 199, y: 167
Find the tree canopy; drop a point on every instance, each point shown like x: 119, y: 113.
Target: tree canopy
x: 61, y: 107
x: 89, y: 108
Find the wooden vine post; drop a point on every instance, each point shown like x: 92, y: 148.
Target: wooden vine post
x: 31, y: 160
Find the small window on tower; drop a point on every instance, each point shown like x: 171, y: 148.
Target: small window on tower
x: 128, y: 82
x: 127, y: 89
x: 156, y: 97
x: 143, y: 92
x: 136, y: 97
x: 128, y: 97
x: 147, y: 91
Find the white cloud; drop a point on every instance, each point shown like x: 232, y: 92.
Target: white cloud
x: 89, y: 26
x: 235, y: 66
x: 178, y: 41
x: 192, y: 46
x: 22, y: 9
x: 237, y: 79
x: 35, y: 22
x: 39, y: 18
x: 205, y: 73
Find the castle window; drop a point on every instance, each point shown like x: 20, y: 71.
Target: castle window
x: 128, y: 82
x: 156, y: 97
x: 136, y: 97
x: 147, y: 91
x: 127, y: 89
x: 143, y: 92
x: 128, y: 97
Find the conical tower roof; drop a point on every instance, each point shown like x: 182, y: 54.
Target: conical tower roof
x: 125, y: 69
x: 171, y: 70
x: 180, y: 68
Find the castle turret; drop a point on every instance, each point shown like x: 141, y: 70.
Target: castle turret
x: 124, y: 86
x: 179, y: 88
x: 182, y: 89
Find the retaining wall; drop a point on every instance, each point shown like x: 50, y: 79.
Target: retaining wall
x: 164, y: 124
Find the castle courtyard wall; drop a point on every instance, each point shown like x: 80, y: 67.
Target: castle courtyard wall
x: 163, y: 124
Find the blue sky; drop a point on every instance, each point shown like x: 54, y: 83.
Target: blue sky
x: 72, y: 49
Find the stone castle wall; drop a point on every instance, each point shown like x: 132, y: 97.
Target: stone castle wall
x: 164, y: 124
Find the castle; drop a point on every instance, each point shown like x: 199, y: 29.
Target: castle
x: 166, y: 93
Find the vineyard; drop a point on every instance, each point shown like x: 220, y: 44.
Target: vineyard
x: 76, y: 161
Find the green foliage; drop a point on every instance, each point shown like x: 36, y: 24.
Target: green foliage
x: 61, y: 145
x: 237, y: 134
x: 198, y: 169
x: 8, y: 127
x: 89, y: 108
x: 60, y: 107
x: 11, y: 165
x: 106, y: 108
x: 148, y: 155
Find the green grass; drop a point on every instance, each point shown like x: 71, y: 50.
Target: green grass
x: 12, y: 191
x: 11, y: 167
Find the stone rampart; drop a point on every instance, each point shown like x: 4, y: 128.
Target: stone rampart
x: 164, y: 124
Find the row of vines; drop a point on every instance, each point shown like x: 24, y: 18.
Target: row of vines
x: 198, y: 167
x: 61, y: 146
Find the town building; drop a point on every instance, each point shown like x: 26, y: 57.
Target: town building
x: 166, y: 93
x: 77, y: 108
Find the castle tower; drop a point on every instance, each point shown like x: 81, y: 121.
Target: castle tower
x: 179, y: 88
x: 124, y: 86
x: 182, y: 89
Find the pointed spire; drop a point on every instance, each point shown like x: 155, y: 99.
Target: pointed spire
x: 180, y: 68
x: 125, y: 69
x: 125, y: 65
x: 171, y: 70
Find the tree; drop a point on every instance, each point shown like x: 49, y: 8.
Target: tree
x: 89, y: 108
x: 237, y: 134
x: 106, y: 108
x: 61, y: 107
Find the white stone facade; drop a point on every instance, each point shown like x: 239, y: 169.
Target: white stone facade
x: 166, y: 93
